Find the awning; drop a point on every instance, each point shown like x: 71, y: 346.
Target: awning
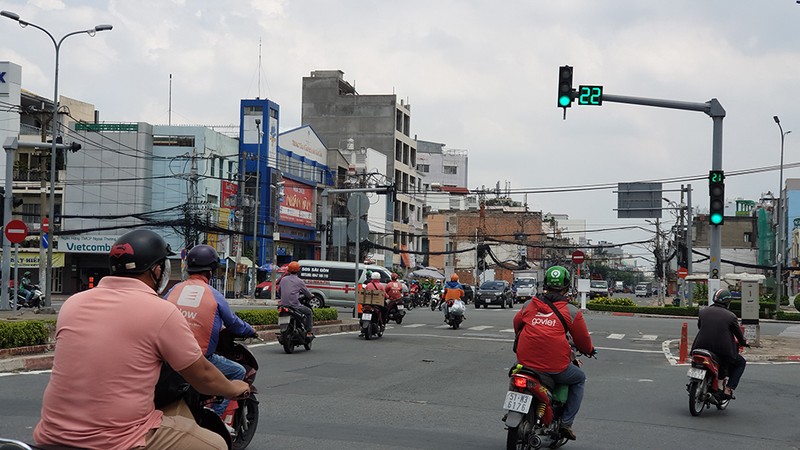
x: 244, y: 260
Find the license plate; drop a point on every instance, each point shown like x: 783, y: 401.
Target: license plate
x: 366, y: 316
x: 284, y: 320
x: 694, y: 372
x: 519, y: 402
x: 400, y: 307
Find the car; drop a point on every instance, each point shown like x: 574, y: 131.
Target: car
x: 524, y: 289
x: 469, y: 293
x: 494, y: 292
x: 264, y: 290
x: 642, y: 290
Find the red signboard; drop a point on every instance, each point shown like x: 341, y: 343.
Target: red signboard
x: 682, y: 272
x: 578, y: 257
x: 298, y: 203
x: 228, y: 197
x: 16, y: 231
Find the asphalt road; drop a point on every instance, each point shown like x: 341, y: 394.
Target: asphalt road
x: 425, y: 386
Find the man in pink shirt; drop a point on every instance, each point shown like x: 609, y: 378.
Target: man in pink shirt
x: 111, y: 342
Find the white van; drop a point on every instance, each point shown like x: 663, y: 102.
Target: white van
x: 332, y: 283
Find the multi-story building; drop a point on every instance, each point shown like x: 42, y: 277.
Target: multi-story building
x: 440, y: 166
x: 340, y: 115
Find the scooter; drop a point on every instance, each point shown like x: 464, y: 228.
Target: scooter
x: 704, y: 382
x: 372, y: 321
x: 396, y: 310
x: 36, y: 301
x: 534, y: 404
x: 454, y: 314
x: 241, y: 414
x: 292, y: 331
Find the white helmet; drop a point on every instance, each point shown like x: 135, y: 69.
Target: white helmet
x: 376, y: 275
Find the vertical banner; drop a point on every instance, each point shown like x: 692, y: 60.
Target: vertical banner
x: 298, y: 203
x: 272, y: 138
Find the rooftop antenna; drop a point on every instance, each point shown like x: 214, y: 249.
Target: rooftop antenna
x: 259, y: 68
x: 169, y: 117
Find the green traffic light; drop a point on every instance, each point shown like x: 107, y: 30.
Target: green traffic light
x: 716, y: 219
x: 564, y: 100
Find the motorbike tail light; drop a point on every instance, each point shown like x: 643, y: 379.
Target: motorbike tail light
x: 520, y: 382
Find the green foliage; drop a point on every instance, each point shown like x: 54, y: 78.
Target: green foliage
x: 766, y: 310
x: 24, y: 333
x: 270, y: 316
x: 700, y: 292
x: 797, y: 302
x: 619, y: 301
x: 788, y: 316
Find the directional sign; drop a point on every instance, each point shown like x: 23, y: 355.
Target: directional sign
x: 578, y: 257
x: 16, y: 231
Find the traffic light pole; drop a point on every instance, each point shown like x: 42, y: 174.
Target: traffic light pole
x: 323, y: 248
x: 713, y: 109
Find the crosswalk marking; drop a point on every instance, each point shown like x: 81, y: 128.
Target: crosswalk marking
x: 480, y: 327
x: 648, y: 337
x: 414, y: 325
x: 616, y: 336
x: 507, y: 330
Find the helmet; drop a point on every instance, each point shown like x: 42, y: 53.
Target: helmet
x: 375, y: 276
x: 202, y: 258
x: 722, y: 297
x: 394, y: 276
x: 293, y: 267
x: 557, y: 277
x: 453, y: 277
x: 26, y: 273
x: 137, y: 251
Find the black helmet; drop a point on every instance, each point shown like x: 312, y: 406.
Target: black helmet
x: 137, y: 251
x: 722, y: 298
x: 202, y: 258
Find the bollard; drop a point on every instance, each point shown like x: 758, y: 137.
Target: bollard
x: 684, y: 344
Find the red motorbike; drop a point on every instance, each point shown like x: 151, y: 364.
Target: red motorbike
x: 705, y: 382
x: 373, y: 321
x: 534, y: 404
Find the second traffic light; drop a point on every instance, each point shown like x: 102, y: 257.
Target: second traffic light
x: 565, y: 94
x: 716, y: 194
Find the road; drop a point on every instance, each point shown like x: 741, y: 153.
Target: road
x: 425, y: 386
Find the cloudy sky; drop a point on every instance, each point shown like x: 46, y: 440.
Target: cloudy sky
x: 480, y: 75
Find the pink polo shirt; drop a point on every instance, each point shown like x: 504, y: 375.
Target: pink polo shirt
x: 110, y: 343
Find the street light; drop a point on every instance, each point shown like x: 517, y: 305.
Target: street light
x: 779, y: 246
x: 54, y: 122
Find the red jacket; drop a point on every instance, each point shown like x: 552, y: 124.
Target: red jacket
x: 542, y: 343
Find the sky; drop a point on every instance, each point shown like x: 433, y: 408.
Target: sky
x: 479, y: 75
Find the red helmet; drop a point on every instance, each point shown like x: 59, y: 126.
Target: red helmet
x: 293, y: 267
x: 453, y: 277
x: 394, y: 276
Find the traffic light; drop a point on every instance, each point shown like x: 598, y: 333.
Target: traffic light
x: 716, y: 193
x: 565, y: 95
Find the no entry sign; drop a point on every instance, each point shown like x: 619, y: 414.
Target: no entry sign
x: 16, y: 231
x: 578, y: 257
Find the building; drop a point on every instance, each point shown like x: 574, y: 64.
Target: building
x: 340, y: 115
x: 739, y: 249
x: 441, y: 166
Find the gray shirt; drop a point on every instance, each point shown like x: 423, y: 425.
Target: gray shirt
x: 292, y: 290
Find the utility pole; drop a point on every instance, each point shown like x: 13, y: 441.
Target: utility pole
x: 239, y: 216
x: 276, y: 212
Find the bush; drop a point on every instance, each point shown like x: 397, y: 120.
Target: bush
x: 270, y: 316
x: 24, y: 333
x: 797, y: 302
x: 700, y: 292
x: 788, y: 316
x: 620, y: 301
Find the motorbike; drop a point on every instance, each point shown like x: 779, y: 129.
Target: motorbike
x: 704, y: 382
x: 435, y: 301
x: 241, y: 414
x: 455, y: 314
x: 396, y: 310
x: 534, y: 404
x: 372, y: 321
x: 36, y: 301
x: 292, y: 332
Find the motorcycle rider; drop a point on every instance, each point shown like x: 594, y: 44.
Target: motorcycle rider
x: 394, y: 290
x: 717, y: 329
x: 376, y: 285
x: 543, y: 328
x: 112, y: 341
x: 26, y: 287
x: 293, y: 289
x: 206, y: 310
x: 452, y: 292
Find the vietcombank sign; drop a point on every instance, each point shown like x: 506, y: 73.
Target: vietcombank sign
x: 86, y: 243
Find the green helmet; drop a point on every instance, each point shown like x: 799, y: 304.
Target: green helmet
x: 722, y: 297
x: 557, y: 277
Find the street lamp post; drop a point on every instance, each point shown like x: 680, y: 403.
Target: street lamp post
x: 54, y: 123
x: 779, y: 245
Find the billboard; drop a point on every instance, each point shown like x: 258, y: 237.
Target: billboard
x: 298, y: 203
x: 228, y: 195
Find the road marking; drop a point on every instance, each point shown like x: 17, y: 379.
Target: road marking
x: 507, y: 330
x: 480, y: 327
x: 615, y: 336
x: 646, y: 337
x: 414, y: 325
x: 443, y: 326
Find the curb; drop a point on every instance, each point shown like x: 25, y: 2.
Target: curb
x: 44, y: 361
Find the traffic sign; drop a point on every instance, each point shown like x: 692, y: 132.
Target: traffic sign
x: 682, y: 272
x: 16, y: 231
x: 578, y: 257
x: 46, y: 225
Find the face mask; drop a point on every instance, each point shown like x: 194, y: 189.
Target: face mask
x: 165, y: 272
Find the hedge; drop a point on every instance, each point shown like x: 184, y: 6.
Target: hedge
x: 676, y: 310
x: 270, y: 316
x: 788, y: 316
x: 24, y: 333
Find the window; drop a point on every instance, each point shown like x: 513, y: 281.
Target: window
x: 450, y: 170
x: 173, y: 141
x: 748, y: 237
x: 424, y: 168
x: 230, y: 170
x: 213, y: 165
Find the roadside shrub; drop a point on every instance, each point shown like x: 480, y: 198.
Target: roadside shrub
x: 270, y: 316
x: 700, y: 292
x: 24, y: 333
x: 797, y: 302
x: 620, y: 301
x: 788, y: 316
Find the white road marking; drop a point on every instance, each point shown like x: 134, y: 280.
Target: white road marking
x: 615, y: 336
x: 480, y: 328
x: 414, y: 325
x: 646, y: 337
x: 507, y: 330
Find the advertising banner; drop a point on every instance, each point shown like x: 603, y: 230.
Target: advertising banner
x: 30, y: 259
x: 228, y: 194
x: 298, y: 203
